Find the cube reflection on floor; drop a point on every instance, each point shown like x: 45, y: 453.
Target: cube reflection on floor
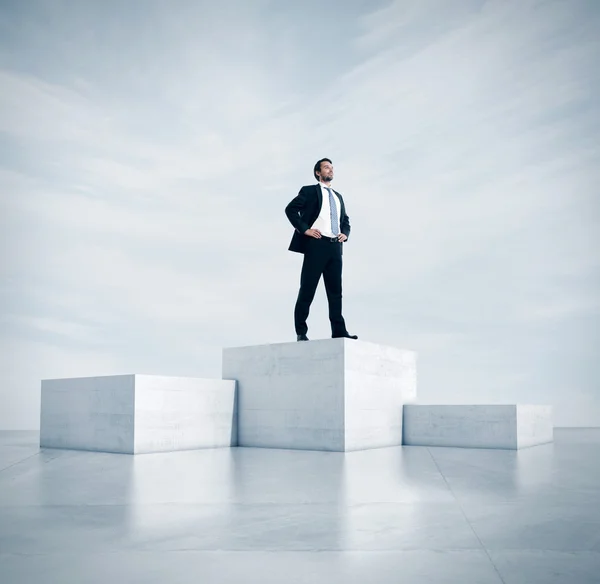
x: 406, y: 514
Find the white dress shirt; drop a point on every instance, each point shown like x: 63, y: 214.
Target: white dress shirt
x: 323, y: 221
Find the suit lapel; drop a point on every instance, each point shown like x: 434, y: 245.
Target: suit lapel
x: 342, y: 208
x: 319, y: 197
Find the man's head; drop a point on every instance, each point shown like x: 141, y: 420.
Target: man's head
x: 323, y: 170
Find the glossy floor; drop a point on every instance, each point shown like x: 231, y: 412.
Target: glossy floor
x: 393, y: 515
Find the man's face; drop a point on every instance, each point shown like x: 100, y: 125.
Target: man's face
x: 326, y: 171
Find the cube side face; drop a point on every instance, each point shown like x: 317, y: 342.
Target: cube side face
x: 183, y: 413
x: 461, y: 426
x: 378, y: 382
x: 290, y: 395
x: 88, y: 413
x: 535, y: 425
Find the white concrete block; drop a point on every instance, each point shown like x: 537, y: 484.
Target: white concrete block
x: 327, y: 394
x: 137, y: 414
x: 183, y: 413
x: 478, y: 426
x: 534, y: 425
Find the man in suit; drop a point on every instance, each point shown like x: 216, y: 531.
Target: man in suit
x: 321, y: 226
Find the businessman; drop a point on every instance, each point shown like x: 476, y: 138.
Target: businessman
x: 321, y: 224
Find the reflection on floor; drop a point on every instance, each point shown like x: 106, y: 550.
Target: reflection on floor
x: 393, y: 515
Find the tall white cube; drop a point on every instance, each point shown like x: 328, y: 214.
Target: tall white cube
x: 509, y: 427
x: 329, y: 394
x: 137, y: 414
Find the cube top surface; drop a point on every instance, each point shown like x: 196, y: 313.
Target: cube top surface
x: 319, y: 343
x: 131, y: 375
x: 478, y: 405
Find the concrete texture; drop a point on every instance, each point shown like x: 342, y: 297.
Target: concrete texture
x: 134, y: 414
x: 330, y: 394
x: 478, y: 426
x: 404, y: 514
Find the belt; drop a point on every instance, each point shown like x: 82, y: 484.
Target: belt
x: 325, y: 238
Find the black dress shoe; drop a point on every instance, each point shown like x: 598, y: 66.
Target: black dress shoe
x: 344, y: 336
x: 301, y: 338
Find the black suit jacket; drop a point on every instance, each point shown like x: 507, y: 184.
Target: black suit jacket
x: 303, y: 210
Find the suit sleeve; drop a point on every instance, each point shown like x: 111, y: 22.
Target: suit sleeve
x: 293, y: 209
x: 345, y: 224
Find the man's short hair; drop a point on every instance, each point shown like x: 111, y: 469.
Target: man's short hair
x: 318, y: 166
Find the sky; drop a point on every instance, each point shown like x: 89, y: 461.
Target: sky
x: 148, y: 150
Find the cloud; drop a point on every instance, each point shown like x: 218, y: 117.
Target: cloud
x: 142, y: 202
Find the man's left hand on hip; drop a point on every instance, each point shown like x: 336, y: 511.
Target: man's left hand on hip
x: 342, y: 237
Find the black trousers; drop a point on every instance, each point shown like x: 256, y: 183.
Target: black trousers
x: 321, y: 257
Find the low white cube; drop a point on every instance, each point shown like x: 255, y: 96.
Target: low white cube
x: 136, y: 414
x: 509, y: 427
x: 329, y: 394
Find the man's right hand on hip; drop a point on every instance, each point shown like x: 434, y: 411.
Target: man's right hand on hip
x: 313, y: 233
